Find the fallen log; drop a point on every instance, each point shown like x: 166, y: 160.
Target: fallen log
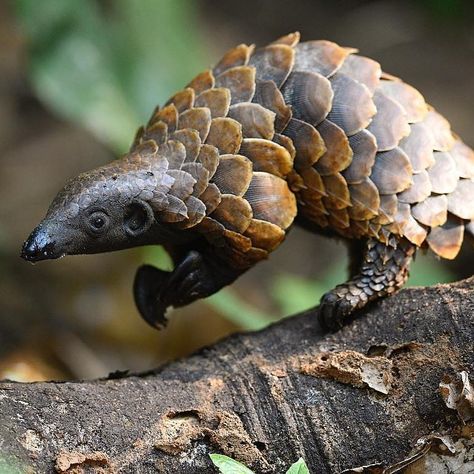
x: 362, y: 396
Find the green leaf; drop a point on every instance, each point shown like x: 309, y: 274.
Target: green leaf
x: 299, y: 467
x: 228, y: 465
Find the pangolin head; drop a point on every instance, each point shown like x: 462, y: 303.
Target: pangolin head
x: 112, y: 207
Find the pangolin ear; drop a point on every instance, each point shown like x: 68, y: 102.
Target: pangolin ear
x: 138, y: 217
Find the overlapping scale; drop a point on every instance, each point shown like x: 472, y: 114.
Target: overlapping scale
x: 461, y: 200
x: 362, y: 69
x: 323, y: 57
x: 338, y: 154
x: 203, y: 81
x: 364, y: 149
x: 365, y: 200
x: 337, y: 192
x: 339, y: 218
x: 197, y: 118
x: 400, y: 219
x: 174, y: 152
x: 168, y: 115
x: 433, y: 211
x: 233, y: 174
x: 237, y: 241
x: 271, y: 200
x: 256, y: 121
x: 388, y: 209
x: 191, y: 141
x: 273, y: 63
x: 267, y: 156
x: 307, y: 141
x: 196, y: 212
x: 240, y: 81
x: 389, y: 124
x: 440, y: 130
x: 269, y: 96
x: 233, y: 212
x: 175, y: 210
x: 158, y: 132
x: 446, y: 240
x: 352, y: 107
x: 359, y: 149
x: 212, y: 230
x: 285, y: 142
x: 183, y: 100
x: 313, y: 182
x: 413, y: 231
x: 464, y: 158
x: 211, y: 197
x: 418, y: 146
x: 183, y: 185
x: 392, y: 171
x: 144, y: 151
x: 264, y: 235
x: 443, y: 173
x: 216, y: 100
x: 408, y: 97
x: 419, y: 190
x: 209, y: 157
x: 238, y: 56
x: 225, y: 134
x: 310, y: 96
x: 359, y: 229
x: 200, y: 174
x: 291, y: 39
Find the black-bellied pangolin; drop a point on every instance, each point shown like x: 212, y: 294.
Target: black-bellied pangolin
x: 308, y: 132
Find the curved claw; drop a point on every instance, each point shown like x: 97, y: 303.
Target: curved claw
x: 147, y: 287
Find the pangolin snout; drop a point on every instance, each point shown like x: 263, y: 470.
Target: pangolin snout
x: 39, y: 246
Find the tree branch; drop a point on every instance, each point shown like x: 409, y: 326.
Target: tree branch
x: 360, y: 396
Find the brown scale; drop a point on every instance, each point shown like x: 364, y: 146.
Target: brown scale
x: 297, y: 129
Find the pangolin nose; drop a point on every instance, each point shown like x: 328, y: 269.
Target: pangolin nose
x: 38, y: 246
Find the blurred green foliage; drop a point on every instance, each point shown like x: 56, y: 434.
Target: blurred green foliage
x: 106, y: 65
x: 9, y: 466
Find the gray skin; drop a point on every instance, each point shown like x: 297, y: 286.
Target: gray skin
x: 109, y: 208
x: 117, y: 206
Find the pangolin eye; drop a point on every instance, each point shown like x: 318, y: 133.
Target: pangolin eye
x: 97, y: 222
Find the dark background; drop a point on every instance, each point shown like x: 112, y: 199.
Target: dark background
x: 77, y: 77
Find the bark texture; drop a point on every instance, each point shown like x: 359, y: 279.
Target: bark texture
x: 363, y: 395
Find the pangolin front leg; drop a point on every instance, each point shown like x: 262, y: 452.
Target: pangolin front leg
x: 196, y: 276
x: 384, y: 269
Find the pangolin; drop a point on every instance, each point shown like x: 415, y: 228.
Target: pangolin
x: 294, y: 132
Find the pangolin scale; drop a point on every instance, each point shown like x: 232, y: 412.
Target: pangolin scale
x: 307, y: 132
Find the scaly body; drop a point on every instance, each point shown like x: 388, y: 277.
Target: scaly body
x: 306, y: 132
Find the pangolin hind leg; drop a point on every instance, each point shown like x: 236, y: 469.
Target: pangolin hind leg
x: 384, y: 269
x: 197, y: 275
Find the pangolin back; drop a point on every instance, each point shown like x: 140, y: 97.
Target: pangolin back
x: 315, y: 129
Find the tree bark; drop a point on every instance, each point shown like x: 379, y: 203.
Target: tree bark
x: 363, y: 395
